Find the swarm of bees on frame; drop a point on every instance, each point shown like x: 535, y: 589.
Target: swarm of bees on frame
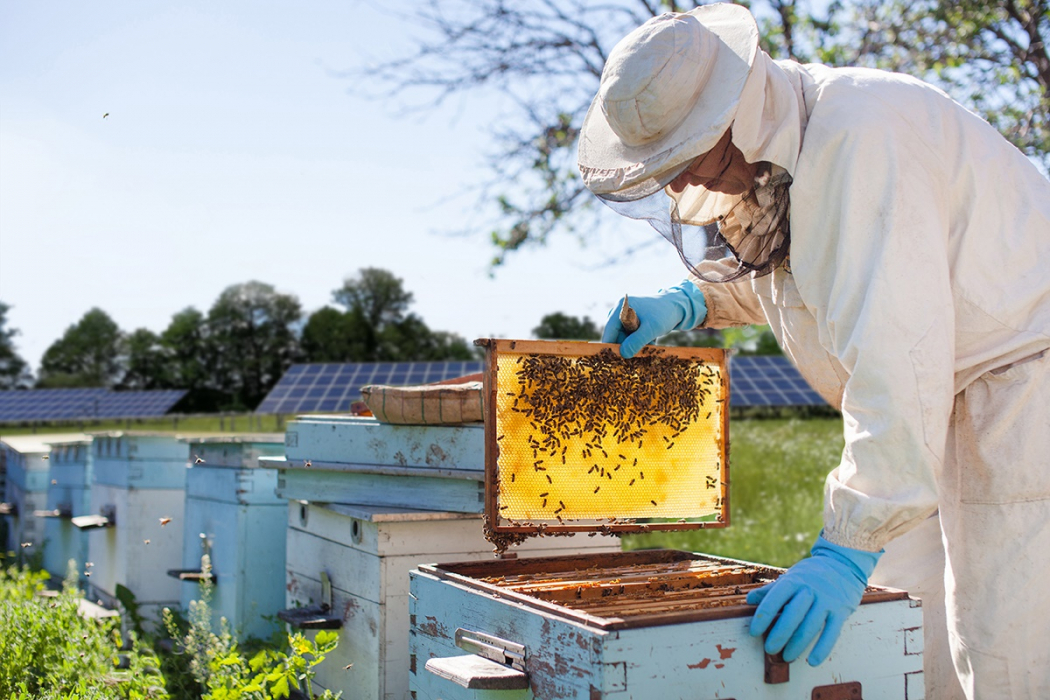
x: 595, y: 408
x: 564, y: 397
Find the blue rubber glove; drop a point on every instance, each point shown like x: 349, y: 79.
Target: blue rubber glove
x: 815, y: 594
x: 678, y: 308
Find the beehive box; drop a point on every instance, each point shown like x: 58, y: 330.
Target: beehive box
x: 366, y: 552
x: 234, y: 515
x: 139, y: 479
x: 581, y: 440
x: 361, y: 460
x: 25, y: 491
x: 369, y: 502
x: 659, y: 624
x: 68, y: 496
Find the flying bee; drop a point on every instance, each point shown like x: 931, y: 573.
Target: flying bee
x: 197, y: 460
x: 164, y: 521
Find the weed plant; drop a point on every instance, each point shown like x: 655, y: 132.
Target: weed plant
x: 48, y: 651
x: 777, y: 471
x: 222, y: 671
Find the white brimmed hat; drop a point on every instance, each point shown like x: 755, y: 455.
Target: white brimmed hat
x: 669, y: 91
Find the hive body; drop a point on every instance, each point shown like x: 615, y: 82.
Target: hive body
x: 697, y: 652
x: 383, y: 499
x: 234, y: 515
x: 139, y: 478
x: 68, y: 496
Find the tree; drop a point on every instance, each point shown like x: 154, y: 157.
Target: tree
x: 377, y: 293
x: 559, y: 326
x: 546, y: 56
x: 329, y: 336
x: 992, y: 56
x: 252, y: 339
x: 410, y: 340
x: 191, y: 362
x: 14, y: 371
x: 89, y: 354
x: 147, y: 365
x: 377, y: 326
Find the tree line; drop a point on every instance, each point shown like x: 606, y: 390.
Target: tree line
x: 230, y: 357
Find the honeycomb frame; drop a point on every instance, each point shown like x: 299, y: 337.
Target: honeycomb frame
x: 687, y: 483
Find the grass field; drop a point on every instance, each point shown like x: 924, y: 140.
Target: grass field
x: 777, y: 470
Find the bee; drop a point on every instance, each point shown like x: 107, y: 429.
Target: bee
x: 308, y: 464
x: 26, y: 544
x: 146, y: 541
x: 164, y: 521
x: 54, y: 482
x: 197, y: 460
x: 348, y: 667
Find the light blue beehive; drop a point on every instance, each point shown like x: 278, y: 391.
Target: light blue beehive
x: 68, y: 496
x: 234, y: 515
x: 371, y: 501
x: 138, y: 479
x: 423, y: 467
x: 25, y: 490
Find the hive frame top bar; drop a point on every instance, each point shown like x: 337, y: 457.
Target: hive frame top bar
x: 505, y: 530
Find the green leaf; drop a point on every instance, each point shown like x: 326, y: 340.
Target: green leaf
x: 280, y: 688
x: 258, y: 661
x: 326, y: 637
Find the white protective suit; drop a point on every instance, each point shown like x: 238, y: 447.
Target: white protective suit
x: 917, y: 300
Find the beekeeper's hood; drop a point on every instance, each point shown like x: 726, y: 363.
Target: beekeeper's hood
x: 669, y: 91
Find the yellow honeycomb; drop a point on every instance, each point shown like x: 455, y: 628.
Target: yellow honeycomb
x: 597, y: 437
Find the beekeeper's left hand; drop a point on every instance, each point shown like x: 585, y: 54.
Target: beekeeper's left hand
x: 814, y: 597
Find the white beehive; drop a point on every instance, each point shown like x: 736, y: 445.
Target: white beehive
x: 138, y: 479
x: 370, y: 502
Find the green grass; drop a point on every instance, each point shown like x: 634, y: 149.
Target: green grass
x: 777, y: 471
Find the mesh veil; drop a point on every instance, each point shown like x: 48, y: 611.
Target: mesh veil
x: 750, y: 232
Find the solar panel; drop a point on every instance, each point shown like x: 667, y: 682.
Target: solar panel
x: 78, y: 404
x: 137, y: 404
x: 768, y: 380
x: 331, y: 388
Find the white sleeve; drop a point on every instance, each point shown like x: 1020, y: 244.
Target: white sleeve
x: 729, y: 304
x: 869, y: 252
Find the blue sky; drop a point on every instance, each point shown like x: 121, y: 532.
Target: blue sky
x: 232, y: 152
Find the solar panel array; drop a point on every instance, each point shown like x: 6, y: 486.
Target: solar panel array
x: 331, y: 388
x: 84, y: 404
x: 768, y: 380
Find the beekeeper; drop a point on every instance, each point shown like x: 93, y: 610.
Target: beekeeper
x: 899, y: 248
